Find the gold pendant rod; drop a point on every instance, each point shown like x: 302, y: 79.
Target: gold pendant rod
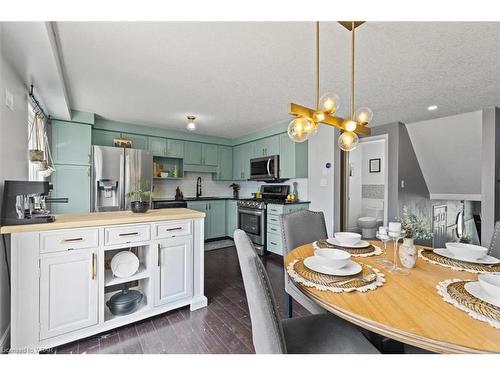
x: 317, y: 65
x: 352, y: 69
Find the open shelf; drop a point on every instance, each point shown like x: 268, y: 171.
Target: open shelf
x: 110, y: 279
x: 168, y: 178
x: 143, y: 305
x: 168, y: 164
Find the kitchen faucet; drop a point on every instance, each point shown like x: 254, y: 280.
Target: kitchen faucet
x: 198, y: 187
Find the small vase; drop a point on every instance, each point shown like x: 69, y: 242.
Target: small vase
x: 139, y: 207
x: 408, y: 253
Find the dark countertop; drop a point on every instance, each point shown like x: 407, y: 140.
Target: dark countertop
x: 194, y: 199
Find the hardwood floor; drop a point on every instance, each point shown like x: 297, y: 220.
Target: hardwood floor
x: 222, y: 327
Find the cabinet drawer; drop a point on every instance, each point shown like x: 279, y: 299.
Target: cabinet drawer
x: 273, y: 219
x: 119, y: 235
x: 274, y: 244
x: 68, y: 240
x: 172, y: 229
x: 273, y: 229
x: 275, y: 209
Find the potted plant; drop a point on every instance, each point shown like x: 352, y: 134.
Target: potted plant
x: 139, y: 198
x: 236, y: 190
x: 415, y: 228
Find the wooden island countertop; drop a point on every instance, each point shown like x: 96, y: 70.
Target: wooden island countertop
x: 95, y: 219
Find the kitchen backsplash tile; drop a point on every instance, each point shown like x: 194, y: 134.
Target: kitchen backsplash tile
x: 210, y: 188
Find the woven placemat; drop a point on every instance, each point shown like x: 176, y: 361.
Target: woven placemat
x: 458, y: 265
x: 368, y: 279
x: 453, y: 291
x: 367, y: 251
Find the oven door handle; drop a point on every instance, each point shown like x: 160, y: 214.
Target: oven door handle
x: 268, y: 164
x: 251, y: 212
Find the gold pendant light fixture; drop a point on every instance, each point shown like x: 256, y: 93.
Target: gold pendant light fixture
x: 307, y: 120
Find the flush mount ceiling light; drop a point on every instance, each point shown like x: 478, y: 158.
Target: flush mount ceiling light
x: 191, y: 126
x: 307, y: 120
x: 432, y: 107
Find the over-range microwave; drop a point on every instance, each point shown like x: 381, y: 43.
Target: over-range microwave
x: 265, y: 168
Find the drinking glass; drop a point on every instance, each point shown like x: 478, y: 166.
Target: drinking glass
x: 384, y: 237
x: 396, y: 236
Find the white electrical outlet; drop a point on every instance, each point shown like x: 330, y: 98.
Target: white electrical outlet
x: 402, y: 184
x: 9, y: 99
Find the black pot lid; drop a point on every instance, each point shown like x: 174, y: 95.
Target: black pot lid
x: 125, y: 297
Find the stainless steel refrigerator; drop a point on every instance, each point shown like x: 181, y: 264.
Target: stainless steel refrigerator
x: 115, y: 172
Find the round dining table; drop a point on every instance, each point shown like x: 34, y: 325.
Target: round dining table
x: 408, y: 308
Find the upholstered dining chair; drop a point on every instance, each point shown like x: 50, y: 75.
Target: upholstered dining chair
x: 324, y: 333
x: 494, y: 248
x: 300, y: 228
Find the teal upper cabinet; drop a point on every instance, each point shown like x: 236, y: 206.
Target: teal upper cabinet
x: 225, y: 164
x: 157, y: 146
x: 175, y: 148
x: 237, y: 162
x: 103, y: 137
x: 266, y: 146
x: 71, y: 142
x: 293, y: 158
x: 192, y: 153
x: 139, y: 142
x: 210, y: 154
x: 241, y: 161
x: 201, y: 153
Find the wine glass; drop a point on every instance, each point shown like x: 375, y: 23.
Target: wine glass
x: 384, y: 237
x: 396, y: 236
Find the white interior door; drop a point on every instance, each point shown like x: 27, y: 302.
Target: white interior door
x: 174, y: 272
x: 68, y: 292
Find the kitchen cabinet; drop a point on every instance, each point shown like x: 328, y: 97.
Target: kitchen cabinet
x: 68, y: 292
x: 293, y: 158
x: 104, y: 137
x: 225, y: 164
x: 166, y: 147
x: 174, y: 276
x: 72, y: 182
x: 241, y: 161
x: 215, y: 219
x: 201, y: 154
x: 231, y: 217
x: 139, y: 142
x: 266, y: 146
x: 71, y: 142
x: 274, y: 233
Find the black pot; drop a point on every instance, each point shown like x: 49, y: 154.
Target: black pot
x: 124, y: 302
x: 139, y: 207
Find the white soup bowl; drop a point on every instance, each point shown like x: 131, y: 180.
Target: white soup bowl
x: 333, y: 257
x: 347, y: 238
x: 466, y: 251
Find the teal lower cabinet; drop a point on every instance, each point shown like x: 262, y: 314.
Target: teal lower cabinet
x: 215, y: 219
x: 231, y: 217
x: 274, y: 242
x: 72, y: 182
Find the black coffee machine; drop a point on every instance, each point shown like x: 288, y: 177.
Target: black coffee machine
x: 25, y: 202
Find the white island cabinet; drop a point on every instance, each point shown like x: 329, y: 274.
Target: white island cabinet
x: 61, y: 278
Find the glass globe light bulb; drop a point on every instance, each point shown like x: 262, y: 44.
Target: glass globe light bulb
x: 329, y: 103
x: 350, y: 125
x: 318, y: 116
x: 348, y: 141
x: 299, y: 129
x: 363, y: 115
x: 191, y: 126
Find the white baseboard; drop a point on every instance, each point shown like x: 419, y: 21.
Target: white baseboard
x: 4, y: 341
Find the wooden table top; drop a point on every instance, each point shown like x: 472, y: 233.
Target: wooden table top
x: 408, y: 308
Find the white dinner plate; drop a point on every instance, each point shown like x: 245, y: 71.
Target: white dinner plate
x: 315, y: 263
x: 474, y: 288
x: 124, y: 264
x: 358, y: 245
x: 485, y: 260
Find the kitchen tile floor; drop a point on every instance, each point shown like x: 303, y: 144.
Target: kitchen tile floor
x: 223, y: 327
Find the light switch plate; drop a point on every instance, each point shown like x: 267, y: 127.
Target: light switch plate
x: 9, y: 99
x: 323, y: 182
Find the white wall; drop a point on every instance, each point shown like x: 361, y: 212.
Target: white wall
x: 321, y: 179
x: 13, y: 156
x: 373, y: 150
x: 356, y: 175
x: 210, y: 188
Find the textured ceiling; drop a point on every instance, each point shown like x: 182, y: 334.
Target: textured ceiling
x: 238, y: 77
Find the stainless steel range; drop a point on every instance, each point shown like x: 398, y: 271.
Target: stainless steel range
x: 252, y: 213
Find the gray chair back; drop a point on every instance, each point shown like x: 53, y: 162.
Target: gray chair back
x: 267, y: 332
x: 494, y: 249
x: 302, y: 227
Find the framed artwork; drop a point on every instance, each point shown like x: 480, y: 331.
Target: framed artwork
x: 122, y: 142
x: 374, y: 165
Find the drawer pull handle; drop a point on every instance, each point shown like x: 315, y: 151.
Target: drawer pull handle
x: 172, y: 229
x: 128, y: 234
x: 159, y: 255
x: 273, y: 243
x: 94, y: 266
x: 72, y: 239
